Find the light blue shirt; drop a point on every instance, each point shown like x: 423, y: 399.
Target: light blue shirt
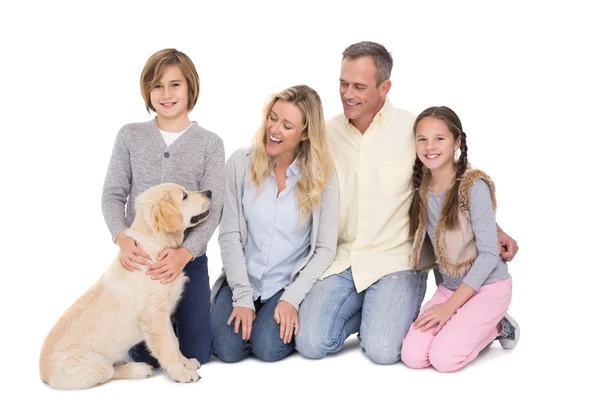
x: 277, y: 239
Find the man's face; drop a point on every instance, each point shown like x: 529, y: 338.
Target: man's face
x: 361, y: 98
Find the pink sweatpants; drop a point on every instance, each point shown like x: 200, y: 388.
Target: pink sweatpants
x: 468, y: 332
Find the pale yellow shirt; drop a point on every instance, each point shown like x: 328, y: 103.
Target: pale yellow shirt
x: 375, y: 179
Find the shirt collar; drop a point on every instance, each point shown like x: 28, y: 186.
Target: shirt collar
x: 381, y: 118
x: 294, y: 169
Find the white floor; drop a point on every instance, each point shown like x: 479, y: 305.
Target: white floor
x: 497, y: 373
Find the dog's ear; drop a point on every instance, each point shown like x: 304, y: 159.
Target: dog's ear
x: 164, y: 216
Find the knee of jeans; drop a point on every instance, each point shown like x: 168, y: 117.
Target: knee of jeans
x: 444, y: 359
x: 227, y: 354
x: 270, y: 352
x: 226, y: 351
x: 381, y: 353
x: 310, y: 345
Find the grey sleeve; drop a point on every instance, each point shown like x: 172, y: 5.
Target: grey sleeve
x: 117, y: 186
x: 213, y: 180
x: 483, y: 220
x: 325, y: 246
x: 230, y: 235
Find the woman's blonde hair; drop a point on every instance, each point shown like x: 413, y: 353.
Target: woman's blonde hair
x: 313, y: 156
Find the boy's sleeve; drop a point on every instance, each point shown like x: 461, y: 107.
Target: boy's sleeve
x: 117, y: 185
x: 213, y: 180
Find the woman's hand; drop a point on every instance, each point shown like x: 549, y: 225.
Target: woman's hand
x: 286, y: 317
x: 243, y: 316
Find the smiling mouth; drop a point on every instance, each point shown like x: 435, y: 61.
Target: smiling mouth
x: 198, y: 217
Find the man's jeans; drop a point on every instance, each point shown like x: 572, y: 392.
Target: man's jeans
x: 333, y: 310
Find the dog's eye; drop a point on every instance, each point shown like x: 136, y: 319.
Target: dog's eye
x: 184, y: 195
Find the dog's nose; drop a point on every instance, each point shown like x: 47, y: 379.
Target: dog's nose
x: 208, y: 194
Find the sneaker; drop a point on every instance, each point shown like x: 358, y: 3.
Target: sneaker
x: 509, y: 336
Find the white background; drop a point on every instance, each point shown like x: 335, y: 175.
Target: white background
x: 522, y: 76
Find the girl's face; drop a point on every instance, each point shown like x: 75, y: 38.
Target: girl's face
x: 169, y: 97
x: 435, y: 144
x: 284, y: 130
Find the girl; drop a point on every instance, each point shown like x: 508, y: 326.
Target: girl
x: 453, y: 220
x: 279, y: 229
x: 168, y: 148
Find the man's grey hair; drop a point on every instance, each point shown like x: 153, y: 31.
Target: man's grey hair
x: 382, y: 57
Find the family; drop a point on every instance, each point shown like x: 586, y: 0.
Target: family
x: 326, y: 228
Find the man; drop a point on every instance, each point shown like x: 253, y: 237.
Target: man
x: 369, y: 286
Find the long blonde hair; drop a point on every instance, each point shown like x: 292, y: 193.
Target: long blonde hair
x: 314, y: 159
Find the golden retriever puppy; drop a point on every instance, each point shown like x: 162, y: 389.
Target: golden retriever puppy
x: 123, y: 308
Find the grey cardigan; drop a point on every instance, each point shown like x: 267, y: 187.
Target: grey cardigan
x: 233, y: 234
x: 141, y: 159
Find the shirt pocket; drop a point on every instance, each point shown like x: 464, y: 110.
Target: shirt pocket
x: 395, y: 178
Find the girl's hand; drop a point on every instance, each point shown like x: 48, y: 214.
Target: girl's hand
x: 243, y: 316
x: 130, y: 255
x: 507, y: 246
x: 170, y: 264
x: 438, y: 314
x: 286, y: 317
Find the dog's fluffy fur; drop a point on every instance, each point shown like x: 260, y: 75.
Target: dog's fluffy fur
x: 123, y: 308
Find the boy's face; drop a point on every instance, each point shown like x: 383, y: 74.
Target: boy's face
x: 169, y: 96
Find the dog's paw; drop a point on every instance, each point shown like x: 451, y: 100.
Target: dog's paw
x: 142, y: 370
x: 179, y: 373
x: 133, y: 370
x: 191, y: 363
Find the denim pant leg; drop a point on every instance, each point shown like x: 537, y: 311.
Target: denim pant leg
x: 227, y: 345
x: 191, y: 319
x: 192, y: 316
x: 329, y: 314
x: 265, y: 341
x: 390, y: 306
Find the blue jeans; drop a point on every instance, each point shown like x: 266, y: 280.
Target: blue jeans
x: 191, y: 319
x: 264, y: 341
x: 333, y: 310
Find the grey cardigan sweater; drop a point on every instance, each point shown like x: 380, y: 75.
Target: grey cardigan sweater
x: 233, y: 235
x: 141, y: 159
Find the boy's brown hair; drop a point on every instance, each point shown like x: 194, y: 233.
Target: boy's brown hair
x: 155, y: 68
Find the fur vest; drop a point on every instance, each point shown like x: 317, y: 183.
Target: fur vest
x: 455, y: 249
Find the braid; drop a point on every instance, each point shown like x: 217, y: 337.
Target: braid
x: 462, y: 160
x: 416, y: 202
x: 417, y: 173
x: 450, y: 212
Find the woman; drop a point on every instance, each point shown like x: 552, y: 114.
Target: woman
x: 278, y: 232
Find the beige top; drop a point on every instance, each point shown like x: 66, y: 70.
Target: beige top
x: 375, y: 181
